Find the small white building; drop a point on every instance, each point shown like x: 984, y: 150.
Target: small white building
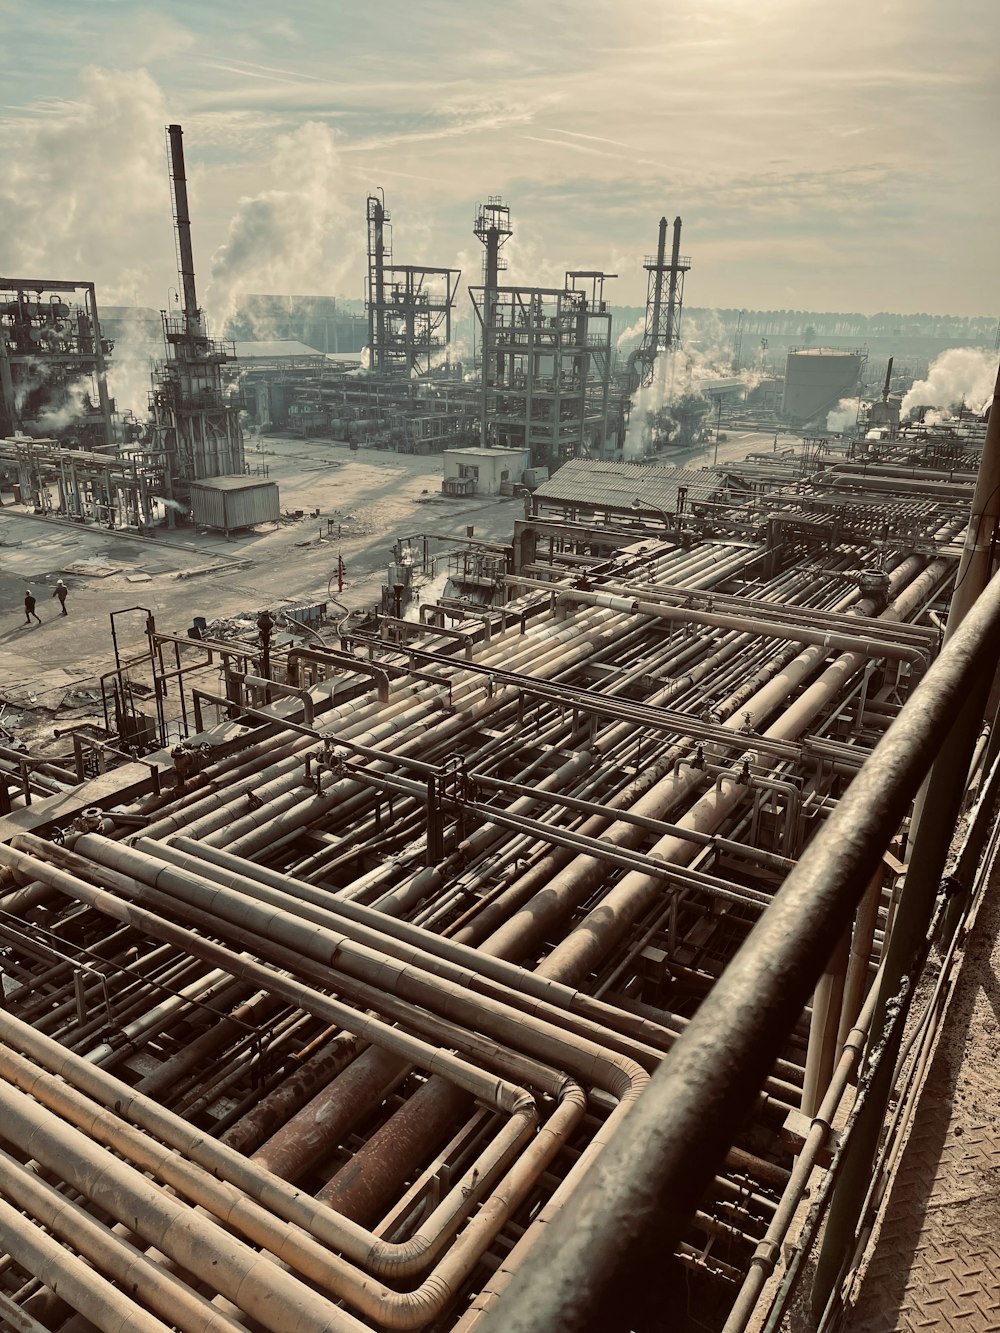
x: 483, y: 471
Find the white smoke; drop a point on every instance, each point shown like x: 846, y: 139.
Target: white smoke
x: 130, y: 367
x: 304, y: 234
x: 72, y: 402
x: 82, y: 187
x: 630, y: 336
x: 842, y: 419
x: 705, y: 355
x: 959, y: 375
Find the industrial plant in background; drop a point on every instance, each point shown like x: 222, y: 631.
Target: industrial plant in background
x: 60, y: 437
x: 53, y: 362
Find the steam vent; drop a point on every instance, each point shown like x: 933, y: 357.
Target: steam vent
x: 498, y: 784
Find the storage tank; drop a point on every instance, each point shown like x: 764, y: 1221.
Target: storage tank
x: 816, y: 378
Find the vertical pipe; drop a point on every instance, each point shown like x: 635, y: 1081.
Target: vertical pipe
x: 102, y: 369
x: 824, y: 1028
x: 856, y: 981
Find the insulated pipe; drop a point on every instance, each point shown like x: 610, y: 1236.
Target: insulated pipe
x: 356, y: 725
x: 476, y: 1011
x: 290, y: 812
x: 411, y: 1310
x: 256, y: 1284
x: 496, y: 1092
x: 518, y: 985
x: 589, y: 1273
x: 871, y: 647
x: 500, y: 649
x: 203, y: 988
x: 331, y: 657
x: 288, y: 691
x: 308, y: 933
x: 132, y: 1271
x: 500, y: 645
x: 107, y: 1308
x: 579, y: 951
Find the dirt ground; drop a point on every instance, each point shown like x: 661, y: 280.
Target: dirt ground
x: 366, y: 500
x: 370, y: 498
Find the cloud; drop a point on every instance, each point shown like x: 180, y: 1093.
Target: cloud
x: 813, y: 148
x: 82, y: 186
x: 146, y: 36
x: 290, y: 237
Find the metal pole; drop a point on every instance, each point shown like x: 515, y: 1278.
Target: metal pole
x: 661, y: 252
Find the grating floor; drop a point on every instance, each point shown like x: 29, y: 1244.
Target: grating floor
x: 936, y: 1263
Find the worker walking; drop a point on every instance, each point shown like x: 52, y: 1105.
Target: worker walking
x: 29, y: 608
x: 60, y: 592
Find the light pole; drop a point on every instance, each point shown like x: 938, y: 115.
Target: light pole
x: 718, y: 423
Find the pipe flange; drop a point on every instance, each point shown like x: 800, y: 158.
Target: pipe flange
x: 89, y: 820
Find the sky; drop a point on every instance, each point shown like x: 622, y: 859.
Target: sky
x: 834, y: 155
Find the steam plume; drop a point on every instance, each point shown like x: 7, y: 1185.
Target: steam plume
x: 82, y: 183
x: 959, y: 375
x: 844, y: 416
x: 299, y: 236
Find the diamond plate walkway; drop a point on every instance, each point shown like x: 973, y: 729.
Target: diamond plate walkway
x: 936, y: 1263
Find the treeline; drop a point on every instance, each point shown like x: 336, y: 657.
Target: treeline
x: 813, y: 324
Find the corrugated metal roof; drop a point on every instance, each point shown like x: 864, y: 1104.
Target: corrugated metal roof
x: 475, y: 451
x: 236, y: 482
x: 275, y: 349
x: 584, y: 481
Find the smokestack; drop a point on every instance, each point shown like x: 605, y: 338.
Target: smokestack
x: 675, y: 256
x: 376, y: 282
x: 182, y: 223
x: 888, y: 377
x: 661, y: 250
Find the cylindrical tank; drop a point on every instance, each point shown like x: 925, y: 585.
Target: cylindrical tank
x: 816, y: 378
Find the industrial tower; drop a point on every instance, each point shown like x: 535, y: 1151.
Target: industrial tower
x: 663, y: 318
x: 492, y: 226
x: 197, y: 421
x: 409, y: 305
x: 53, y: 362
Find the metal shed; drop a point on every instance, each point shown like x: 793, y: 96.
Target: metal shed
x: 586, y: 484
x: 230, y: 503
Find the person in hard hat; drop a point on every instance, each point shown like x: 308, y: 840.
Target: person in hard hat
x: 29, y: 608
x: 61, y: 592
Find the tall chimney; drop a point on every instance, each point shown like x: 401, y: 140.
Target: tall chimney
x: 182, y: 222
x: 661, y: 250
x: 675, y: 255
